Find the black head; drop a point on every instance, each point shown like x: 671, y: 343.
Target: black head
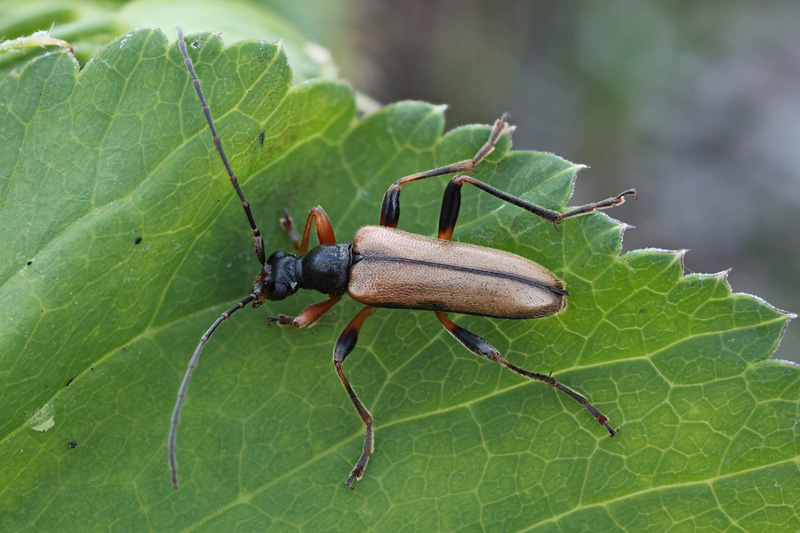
x: 277, y: 280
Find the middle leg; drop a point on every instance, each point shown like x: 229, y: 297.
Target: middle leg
x: 390, y: 208
x: 344, y: 345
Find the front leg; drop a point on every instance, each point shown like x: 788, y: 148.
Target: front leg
x: 288, y: 226
x: 322, y: 224
x: 307, y: 316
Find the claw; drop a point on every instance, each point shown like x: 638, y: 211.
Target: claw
x: 282, y: 320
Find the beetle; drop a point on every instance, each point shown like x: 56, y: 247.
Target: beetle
x: 388, y: 268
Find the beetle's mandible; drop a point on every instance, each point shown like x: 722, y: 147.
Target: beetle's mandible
x: 386, y: 267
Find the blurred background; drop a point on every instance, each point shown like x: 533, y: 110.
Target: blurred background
x: 695, y: 104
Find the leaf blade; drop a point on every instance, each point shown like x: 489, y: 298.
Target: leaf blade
x: 267, y: 435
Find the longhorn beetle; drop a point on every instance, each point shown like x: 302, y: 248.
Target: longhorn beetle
x: 386, y: 267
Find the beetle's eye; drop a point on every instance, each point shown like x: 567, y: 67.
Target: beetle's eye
x: 276, y: 291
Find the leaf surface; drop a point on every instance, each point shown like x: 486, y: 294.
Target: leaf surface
x: 98, y: 326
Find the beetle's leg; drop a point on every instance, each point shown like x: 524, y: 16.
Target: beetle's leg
x: 307, y: 316
x: 603, y: 204
x: 344, y: 345
x: 323, y: 226
x: 288, y: 226
x: 481, y: 348
x: 451, y: 202
x: 390, y: 208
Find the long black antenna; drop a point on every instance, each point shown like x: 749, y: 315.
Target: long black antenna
x: 176, y: 413
x: 258, y: 241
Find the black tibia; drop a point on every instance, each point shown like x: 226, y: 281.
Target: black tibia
x: 344, y: 345
x: 390, y: 208
x: 451, y: 204
x: 481, y: 348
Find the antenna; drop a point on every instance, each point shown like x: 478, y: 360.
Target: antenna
x: 258, y: 241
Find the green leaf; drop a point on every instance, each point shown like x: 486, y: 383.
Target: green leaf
x: 89, y: 24
x: 39, y: 39
x: 98, y: 326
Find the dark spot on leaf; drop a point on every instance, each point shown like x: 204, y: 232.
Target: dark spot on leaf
x: 261, y: 138
x: 70, y: 381
x: 73, y: 444
x: 138, y: 240
x: 29, y: 262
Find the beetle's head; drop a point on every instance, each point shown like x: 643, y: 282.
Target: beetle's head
x: 277, y: 279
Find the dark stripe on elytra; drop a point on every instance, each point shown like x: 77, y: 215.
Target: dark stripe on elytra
x: 491, y: 273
